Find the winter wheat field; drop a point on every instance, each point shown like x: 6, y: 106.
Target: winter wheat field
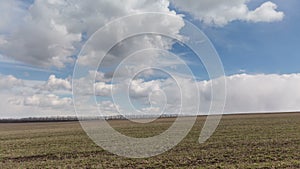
x: 240, y: 141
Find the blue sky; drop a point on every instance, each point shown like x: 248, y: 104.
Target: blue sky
x: 40, y: 42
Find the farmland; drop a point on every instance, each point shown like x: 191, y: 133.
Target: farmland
x: 240, y: 141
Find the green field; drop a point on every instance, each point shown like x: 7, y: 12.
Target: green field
x: 240, y: 141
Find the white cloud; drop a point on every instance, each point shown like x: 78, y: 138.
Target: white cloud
x: 41, y: 101
x: 99, y: 76
x: 161, y: 95
x: 49, y: 100
x: 92, y: 84
x: 54, y: 83
x: 38, y: 105
x: 103, y: 89
x: 9, y: 82
x: 116, y: 32
x: 257, y: 93
x: 41, y: 45
x: 139, y: 88
x: 253, y: 93
x: 221, y: 12
x: 23, y: 98
x: 265, y: 13
x: 108, y: 108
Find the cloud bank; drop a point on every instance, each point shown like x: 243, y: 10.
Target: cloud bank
x: 245, y: 93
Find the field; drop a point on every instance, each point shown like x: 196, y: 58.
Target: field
x: 240, y: 141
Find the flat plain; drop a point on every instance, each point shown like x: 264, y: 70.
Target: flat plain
x: 240, y: 141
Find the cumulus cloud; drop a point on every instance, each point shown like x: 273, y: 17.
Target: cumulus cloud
x: 161, y: 95
x: 49, y: 100
x: 103, y: 89
x: 23, y: 98
x: 140, y: 88
x: 221, y: 12
x: 99, y: 76
x: 108, y: 108
x: 37, y: 38
x: 100, y: 85
x: 55, y: 83
x: 41, y: 101
x: 265, y: 13
x: 9, y: 82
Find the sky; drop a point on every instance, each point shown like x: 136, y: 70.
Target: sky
x: 42, y: 42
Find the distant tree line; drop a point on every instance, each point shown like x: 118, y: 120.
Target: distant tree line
x: 39, y: 119
x: 74, y: 118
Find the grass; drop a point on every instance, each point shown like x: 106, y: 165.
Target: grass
x: 240, y: 141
